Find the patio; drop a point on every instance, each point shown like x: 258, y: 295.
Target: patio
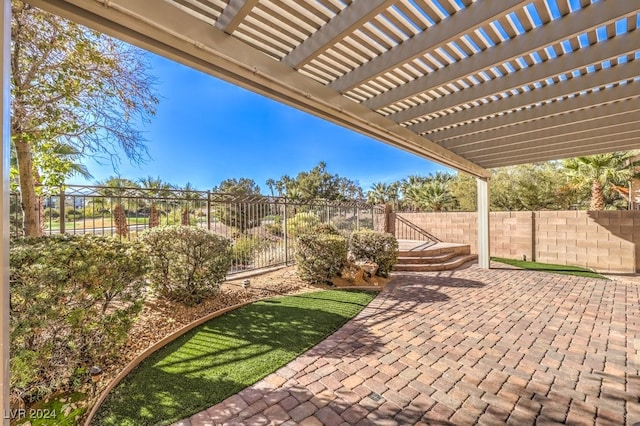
x: 464, y: 347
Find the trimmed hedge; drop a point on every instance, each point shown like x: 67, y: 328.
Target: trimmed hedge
x: 188, y: 263
x: 320, y: 256
x: 378, y: 247
x: 73, y: 301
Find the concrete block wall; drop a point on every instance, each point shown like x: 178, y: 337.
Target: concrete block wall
x: 607, y: 241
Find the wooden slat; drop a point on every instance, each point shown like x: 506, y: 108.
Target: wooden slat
x: 234, y: 14
x: 460, y: 23
x: 344, y: 23
x: 589, y: 81
x: 618, y: 46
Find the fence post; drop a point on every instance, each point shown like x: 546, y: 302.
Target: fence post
x: 373, y: 218
x: 389, y: 219
x: 328, y: 215
x: 209, y: 210
x: 62, y: 211
x: 284, y: 233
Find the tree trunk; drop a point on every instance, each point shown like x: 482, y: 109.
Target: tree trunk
x: 154, y: 216
x: 29, y: 199
x: 120, y: 219
x: 597, y: 196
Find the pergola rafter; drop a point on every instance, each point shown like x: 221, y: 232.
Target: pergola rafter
x: 437, y: 36
x: 233, y: 14
x: 360, y: 12
x: 550, y: 34
x: 541, y: 72
x: 619, y: 92
x: 531, y: 132
x: 568, y: 87
x: 625, y: 140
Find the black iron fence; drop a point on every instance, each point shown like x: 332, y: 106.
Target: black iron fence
x: 406, y: 230
x: 262, y: 228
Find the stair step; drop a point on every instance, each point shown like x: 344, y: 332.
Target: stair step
x: 458, y: 250
x: 439, y: 258
x: 443, y: 266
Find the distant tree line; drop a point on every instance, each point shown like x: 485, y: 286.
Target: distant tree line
x: 595, y: 182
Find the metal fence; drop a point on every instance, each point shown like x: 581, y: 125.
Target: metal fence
x: 406, y: 230
x: 262, y: 229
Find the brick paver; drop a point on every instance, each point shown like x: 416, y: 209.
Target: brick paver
x: 500, y: 346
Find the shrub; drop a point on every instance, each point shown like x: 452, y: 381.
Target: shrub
x: 74, y: 214
x: 73, y: 301
x: 320, y: 256
x: 52, y: 213
x: 378, y: 247
x: 189, y: 263
x: 245, y: 248
x: 325, y: 228
x: 301, y: 223
x: 273, y: 225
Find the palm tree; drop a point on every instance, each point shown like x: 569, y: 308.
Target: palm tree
x: 157, y: 188
x: 271, y: 184
x: 410, y: 188
x: 601, y: 172
x: 115, y: 189
x: 382, y: 193
x: 435, y: 195
x: 190, y: 196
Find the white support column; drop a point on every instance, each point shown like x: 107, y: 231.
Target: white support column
x: 5, y: 91
x: 483, y: 223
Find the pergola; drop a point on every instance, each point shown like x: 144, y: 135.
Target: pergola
x: 469, y: 84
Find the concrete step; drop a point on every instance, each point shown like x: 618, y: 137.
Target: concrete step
x: 458, y: 249
x: 447, y: 265
x: 438, y: 258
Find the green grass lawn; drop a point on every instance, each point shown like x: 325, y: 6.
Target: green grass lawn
x: 550, y: 267
x: 93, y: 223
x: 225, y: 355
x: 52, y: 411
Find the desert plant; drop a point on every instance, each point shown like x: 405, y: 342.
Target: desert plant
x: 273, y: 225
x: 73, y: 301
x: 188, y: 263
x: 325, y: 228
x: 320, y: 256
x: 378, y: 247
x: 245, y: 248
x: 301, y: 223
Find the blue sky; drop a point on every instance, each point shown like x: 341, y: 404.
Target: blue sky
x: 207, y: 130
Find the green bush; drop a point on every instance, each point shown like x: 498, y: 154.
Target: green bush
x: 51, y: 213
x: 73, y: 214
x: 73, y: 301
x: 320, y: 256
x: 189, y: 263
x: 245, y: 248
x: 273, y: 225
x: 325, y: 228
x: 301, y: 223
x: 378, y: 247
